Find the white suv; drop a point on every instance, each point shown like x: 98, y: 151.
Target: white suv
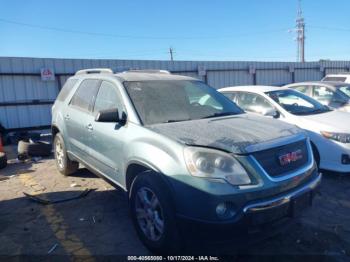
x: 343, y: 77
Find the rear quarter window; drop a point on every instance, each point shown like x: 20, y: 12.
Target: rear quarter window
x: 67, y: 87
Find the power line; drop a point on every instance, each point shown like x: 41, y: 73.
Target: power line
x: 65, y: 30
x: 124, y: 53
x: 330, y: 28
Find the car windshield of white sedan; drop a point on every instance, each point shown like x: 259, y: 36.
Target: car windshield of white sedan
x: 297, y: 103
x: 345, y: 90
x: 166, y: 101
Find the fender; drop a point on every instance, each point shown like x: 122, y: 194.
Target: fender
x: 148, y: 166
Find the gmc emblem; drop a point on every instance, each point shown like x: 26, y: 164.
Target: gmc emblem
x: 288, y: 158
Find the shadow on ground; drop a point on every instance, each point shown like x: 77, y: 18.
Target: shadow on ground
x: 99, y: 224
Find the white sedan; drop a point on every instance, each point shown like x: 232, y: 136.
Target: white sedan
x: 328, y: 130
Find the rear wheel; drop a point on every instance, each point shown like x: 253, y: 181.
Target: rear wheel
x: 153, y: 214
x: 64, y: 165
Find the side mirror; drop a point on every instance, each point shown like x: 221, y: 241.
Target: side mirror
x: 110, y: 116
x: 272, y: 112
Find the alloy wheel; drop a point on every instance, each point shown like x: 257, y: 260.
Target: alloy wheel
x: 59, y: 154
x: 149, y: 214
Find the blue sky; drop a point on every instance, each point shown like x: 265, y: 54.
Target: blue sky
x: 197, y: 30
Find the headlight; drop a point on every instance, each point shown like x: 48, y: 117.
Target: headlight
x: 340, y: 137
x: 209, y: 163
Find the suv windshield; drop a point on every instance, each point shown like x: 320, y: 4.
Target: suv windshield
x: 297, y: 103
x: 165, y: 101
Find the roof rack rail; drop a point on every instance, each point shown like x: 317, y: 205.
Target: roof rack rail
x: 94, y: 71
x: 149, y: 71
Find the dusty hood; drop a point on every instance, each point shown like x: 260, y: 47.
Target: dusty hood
x: 233, y: 134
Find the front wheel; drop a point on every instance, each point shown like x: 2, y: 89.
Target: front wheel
x: 64, y: 165
x: 153, y: 214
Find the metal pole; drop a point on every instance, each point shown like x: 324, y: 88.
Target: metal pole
x: 300, y: 29
x: 171, y: 54
x: 303, y: 43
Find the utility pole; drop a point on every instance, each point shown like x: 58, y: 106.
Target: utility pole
x: 171, y: 52
x: 300, y: 30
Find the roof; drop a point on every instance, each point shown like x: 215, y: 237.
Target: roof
x: 329, y: 83
x: 335, y: 83
x: 255, y: 89
x: 132, y: 75
x: 142, y: 76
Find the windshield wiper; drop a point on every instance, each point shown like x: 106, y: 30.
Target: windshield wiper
x: 177, y: 120
x: 220, y: 114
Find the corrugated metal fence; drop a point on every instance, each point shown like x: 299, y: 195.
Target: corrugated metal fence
x: 25, y: 100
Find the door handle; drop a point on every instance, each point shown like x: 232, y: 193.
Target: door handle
x: 66, y: 117
x: 89, y: 127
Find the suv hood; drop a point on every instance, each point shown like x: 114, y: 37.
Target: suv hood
x: 239, y: 134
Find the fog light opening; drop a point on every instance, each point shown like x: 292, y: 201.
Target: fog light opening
x: 345, y: 159
x: 225, y: 210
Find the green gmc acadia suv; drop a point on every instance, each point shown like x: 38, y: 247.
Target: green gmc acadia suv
x: 185, y: 154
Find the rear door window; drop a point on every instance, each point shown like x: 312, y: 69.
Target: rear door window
x: 324, y: 95
x: 85, y: 95
x: 327, y: 96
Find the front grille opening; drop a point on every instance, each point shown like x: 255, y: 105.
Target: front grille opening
x: 270, y: 159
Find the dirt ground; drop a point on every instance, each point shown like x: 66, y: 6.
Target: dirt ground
x: 99, y: 224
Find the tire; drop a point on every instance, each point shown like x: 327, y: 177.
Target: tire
x: 22, y: 147
x: 3, y: 160
x: 34, y: 149
x: 168, y: 241
x: 22, y: 157
x: 64, y: 165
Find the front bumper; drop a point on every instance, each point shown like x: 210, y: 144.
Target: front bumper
x: 284, y: 198
x: 332, y: 154
x: 257, y: 215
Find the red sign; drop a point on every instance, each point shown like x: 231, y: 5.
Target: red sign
x: 47, y: 74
